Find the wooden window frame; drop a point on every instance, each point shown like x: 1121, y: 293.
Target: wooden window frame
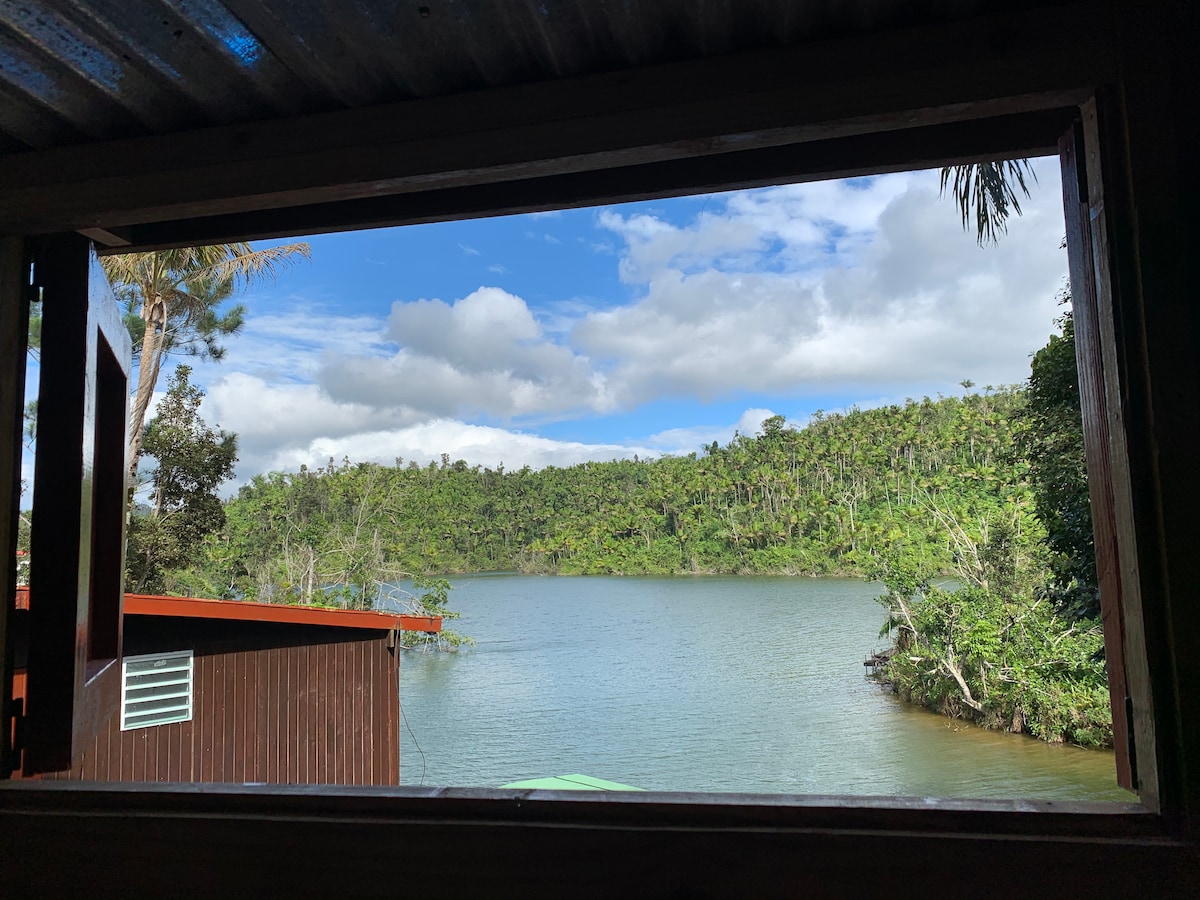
x: 1138, y: 363
x: 76, y: 573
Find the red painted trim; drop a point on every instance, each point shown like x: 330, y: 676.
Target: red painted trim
x: 243, y: 611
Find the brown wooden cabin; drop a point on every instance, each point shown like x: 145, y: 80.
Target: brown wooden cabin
x: 274, y: 694
x: 148, y: 124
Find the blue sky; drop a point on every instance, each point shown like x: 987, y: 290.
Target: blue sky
x: 643, y: 328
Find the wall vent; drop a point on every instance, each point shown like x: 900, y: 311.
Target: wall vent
x: 156, y: 689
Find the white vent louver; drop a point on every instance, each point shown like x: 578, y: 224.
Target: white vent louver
x: 156, y: 690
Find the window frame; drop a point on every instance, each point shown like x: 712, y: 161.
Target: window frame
x: 1047, y: 129
x: 72, y: 682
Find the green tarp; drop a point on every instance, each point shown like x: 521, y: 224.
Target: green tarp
x: 571, y: 783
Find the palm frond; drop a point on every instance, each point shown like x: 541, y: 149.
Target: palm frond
x: 987, y: 193
x: 234, y: 266
x: 245, y: 266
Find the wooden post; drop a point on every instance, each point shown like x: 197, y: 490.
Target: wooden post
x: 1094, y: 401
x: 61, y: 269
x: 14, y: 334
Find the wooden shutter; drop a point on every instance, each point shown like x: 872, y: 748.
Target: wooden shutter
x: 77, y: 543
x: 1103, y: 433
x: 14, y: 330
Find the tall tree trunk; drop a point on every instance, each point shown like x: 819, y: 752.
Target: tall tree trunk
x: 154, y: 315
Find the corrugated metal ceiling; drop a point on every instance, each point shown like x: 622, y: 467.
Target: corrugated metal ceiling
x: 74, y: 71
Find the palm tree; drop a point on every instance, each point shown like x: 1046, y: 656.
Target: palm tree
x: 987, y: 191
x: 173, y: 300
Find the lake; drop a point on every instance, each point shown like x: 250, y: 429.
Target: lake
x: 745, y: 684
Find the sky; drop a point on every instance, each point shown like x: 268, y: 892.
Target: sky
x: 637, y: 329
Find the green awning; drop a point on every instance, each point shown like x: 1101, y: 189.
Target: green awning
x: 571, y: 783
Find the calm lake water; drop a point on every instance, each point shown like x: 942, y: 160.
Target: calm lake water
x: 700, y: 684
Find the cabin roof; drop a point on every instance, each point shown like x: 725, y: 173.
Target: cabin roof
x: 244, y: 611
x: 92, y: 70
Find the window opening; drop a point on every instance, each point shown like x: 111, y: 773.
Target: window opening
x: 456, y: 327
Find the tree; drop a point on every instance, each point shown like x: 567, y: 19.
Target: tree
x: 994, y: 650
x: 173, y: 302
x: 1052, y: 442
x: 193, y: 460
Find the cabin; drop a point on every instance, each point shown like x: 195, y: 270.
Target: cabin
x: 229, y: 691
x: 149, y: 125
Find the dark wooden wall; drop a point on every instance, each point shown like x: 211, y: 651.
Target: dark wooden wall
x: 274, y: 704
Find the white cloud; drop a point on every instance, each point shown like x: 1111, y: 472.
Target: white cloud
x: 485, y: 354
x: 686, y: 440
x: 478, y: 444
x: 902, y: 296
x: 293, y: 347
x: 470, y: 251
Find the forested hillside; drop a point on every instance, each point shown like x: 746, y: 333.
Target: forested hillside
x: 825, y: 499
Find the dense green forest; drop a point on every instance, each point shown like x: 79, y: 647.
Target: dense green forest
x: 815, y: 501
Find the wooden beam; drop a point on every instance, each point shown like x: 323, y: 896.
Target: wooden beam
x: 324, y: 840
x: 874, y: 83
x: 1023, y: 135
x: 116, y: 237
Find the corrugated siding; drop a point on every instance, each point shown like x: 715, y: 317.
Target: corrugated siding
x: 78, y: 70
x: 322, y: 713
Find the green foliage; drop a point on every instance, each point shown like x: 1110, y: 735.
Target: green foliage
x: 987, y: 193
x: 432, y: 601
x: 995, y: 651
x: 193, y: 460
x: 1019, y: 645
x: 1052, y: 441
x: 821, y: 500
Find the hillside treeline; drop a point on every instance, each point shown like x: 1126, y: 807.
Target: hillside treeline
x: 819, y: 500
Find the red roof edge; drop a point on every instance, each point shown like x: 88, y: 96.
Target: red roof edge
x: 245, y: 611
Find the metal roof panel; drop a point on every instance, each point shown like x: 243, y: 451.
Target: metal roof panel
x: 73, y: 70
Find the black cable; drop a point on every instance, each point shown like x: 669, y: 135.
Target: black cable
x: 404, y: 716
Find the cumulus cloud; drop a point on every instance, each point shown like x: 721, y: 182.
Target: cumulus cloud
x: 483, y: 355
x: 478, y: 444
x: 901, y: 295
